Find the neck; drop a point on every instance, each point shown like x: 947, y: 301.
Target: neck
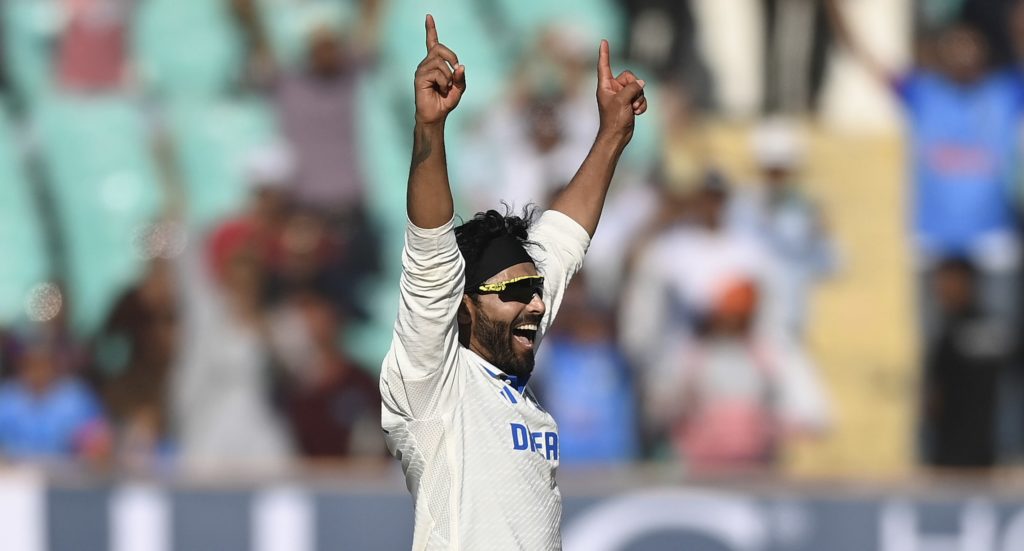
x: 487, y: 357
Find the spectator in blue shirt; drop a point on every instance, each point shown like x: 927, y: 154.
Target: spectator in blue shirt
x: 45, y: 412
x: 965, y: 120
x: 587, y: 383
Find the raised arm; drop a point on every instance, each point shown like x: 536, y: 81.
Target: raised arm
x: 440, y: 82
x: 847, y: 39
x: 417, y: 376
x: 619, y: 100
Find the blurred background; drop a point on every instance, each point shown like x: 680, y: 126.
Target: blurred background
x: 797, y: 326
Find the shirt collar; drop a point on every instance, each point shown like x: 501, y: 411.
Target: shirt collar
x: 517, y: 381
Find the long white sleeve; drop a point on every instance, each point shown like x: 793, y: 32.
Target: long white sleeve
x: 417, y: 373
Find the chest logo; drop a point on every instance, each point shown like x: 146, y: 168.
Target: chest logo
x: 544, y: 443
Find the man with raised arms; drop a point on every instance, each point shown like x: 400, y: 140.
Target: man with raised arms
x: 478, y: 452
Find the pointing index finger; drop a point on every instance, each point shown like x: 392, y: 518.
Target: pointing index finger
x: 431, y: 32
x: 604, y: 65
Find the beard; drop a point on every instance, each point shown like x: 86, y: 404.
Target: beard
x: 496, y: 339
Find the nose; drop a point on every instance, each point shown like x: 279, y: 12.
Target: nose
x: 536, y: 306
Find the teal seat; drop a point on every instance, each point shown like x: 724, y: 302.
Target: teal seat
x: 30, y: 28
x: 213, y: 141
x: 187, y: 48
x: 106, y: 191
x: 25, y: 261
x: 384, y: 146
x: 462, y: 28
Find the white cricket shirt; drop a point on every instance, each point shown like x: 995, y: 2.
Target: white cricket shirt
x: 479, y: 454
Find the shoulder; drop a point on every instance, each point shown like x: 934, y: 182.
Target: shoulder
x: 552, y: 224
x: 1008, y: 81
x: 557, y: 240
x: 1006, y: 77
x: 909, y: 86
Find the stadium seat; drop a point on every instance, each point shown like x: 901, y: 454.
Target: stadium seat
x: 212, y: 141
x: 461, y: 27
x: 25, y: 261
x: 105, y: 187
x: 187, y: 48
x: 29, y: 30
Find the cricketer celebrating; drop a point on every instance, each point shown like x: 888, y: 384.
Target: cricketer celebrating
x: 478, y: 452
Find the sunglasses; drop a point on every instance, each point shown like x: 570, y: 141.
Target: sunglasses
x: 519, y: 289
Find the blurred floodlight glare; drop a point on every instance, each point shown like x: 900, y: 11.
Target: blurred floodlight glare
x: 160, y: 240
x: 43, y: 302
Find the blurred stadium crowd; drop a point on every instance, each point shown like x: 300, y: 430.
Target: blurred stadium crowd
x: 202, y: 204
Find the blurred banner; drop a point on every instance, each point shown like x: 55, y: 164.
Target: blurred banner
x: 358, y: 515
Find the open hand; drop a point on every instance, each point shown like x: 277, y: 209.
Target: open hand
x: 619, y: 99
x: 440, y: 80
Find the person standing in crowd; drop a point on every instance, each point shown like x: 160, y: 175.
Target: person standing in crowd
x: 270, y: 174
x: 585, y: 380
x: 678, y: 272
x: 964, y: 119
x: 962, y: 370
x: 46, y: 411
x: 735, y: 395
x: 332, y: 403
x: 132, y: 358
x: 316, y: 106
x: 530, y: 145
x: 223, y: 384
x: 671, y: 301
x: 777, y: 212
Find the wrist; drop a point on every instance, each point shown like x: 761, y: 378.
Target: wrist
x: 430, y: 126
x: 614, y: 141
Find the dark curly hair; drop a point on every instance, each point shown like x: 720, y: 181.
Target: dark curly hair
x: 474, y: 234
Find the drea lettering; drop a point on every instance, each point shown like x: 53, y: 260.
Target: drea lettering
x: 544, y: 443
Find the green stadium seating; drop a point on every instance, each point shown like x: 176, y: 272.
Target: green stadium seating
x: 187, y: 48
x: 25, y: 261
x: 29, y: 30
x: 212, y: 141
x: 461, y: 27
x: 105, y: 187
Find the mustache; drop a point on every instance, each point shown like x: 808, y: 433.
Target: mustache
x: 535, y: 320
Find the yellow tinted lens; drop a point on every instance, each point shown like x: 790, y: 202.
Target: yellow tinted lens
x: 499, y: 286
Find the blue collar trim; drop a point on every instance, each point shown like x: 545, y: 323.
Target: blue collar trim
x: 517, y: 382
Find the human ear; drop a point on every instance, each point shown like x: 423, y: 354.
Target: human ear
x: 464, y: 316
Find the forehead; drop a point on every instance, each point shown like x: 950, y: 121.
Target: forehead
x: 517, y: 270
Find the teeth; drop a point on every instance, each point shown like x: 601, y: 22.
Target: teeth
x: 528, y: 327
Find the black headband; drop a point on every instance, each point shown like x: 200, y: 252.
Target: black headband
x: 500, y: 253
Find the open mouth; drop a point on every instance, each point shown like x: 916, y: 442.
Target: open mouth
x: 525, y: 334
